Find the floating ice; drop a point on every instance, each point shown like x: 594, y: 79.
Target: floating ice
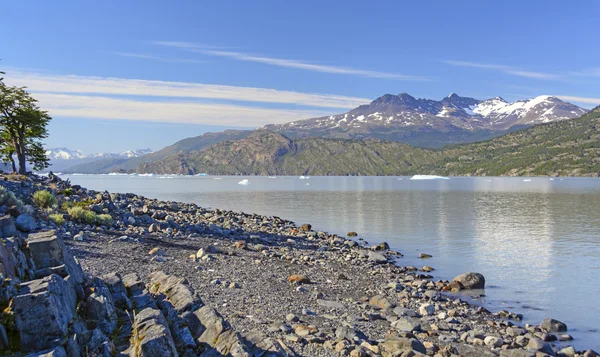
x: 244, y: 182
x: 429, y: 177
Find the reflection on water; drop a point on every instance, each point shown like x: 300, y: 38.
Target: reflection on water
x: 537, y: 242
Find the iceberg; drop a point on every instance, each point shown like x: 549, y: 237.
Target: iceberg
x: 244, y: 182
x: 429, y: 177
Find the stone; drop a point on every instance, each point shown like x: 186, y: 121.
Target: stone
x: 539, y: 345
x: 26, y: 223
x: 182, y: 296
x: 381, y: 246
x: 351, y: 234
x: 517, y: 353
x: 376, y: 257
x: 240, y: 244
x: 568, y: 351
x: 468, y: 281
x: 43, y: 310
x: 392, y: 345
x: 292, y: 318
x: 7, y: 226
x: 381, y: 302
x: 80, y: 237
x: 407, y: 324
x: 298, y: 279
x: 154, y: 228
x: 219, y: 334
x: 152, y: 337
x: 48, y: 250
x: 551, y: 325
x: 427, y: 268
x: 305, y: 227
x: 425, y: 255
x: 99, y: 308
x: 156, y: 251
x: 493, y: 341
x: 427, y: 309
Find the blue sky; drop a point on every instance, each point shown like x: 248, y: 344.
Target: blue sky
x: 119, y: 75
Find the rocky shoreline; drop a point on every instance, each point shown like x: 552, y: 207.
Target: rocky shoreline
x: 154, y: 278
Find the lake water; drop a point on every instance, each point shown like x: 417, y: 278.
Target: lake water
x: 536, y: 240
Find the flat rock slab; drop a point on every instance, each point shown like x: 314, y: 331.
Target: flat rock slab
x: 152, y: 337
x: 43, y: 310
x: 48, y: 250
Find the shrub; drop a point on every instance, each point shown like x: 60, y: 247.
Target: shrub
x: 67, y: 192
x: 83, y: 215
x: 90, y: 217
x: 67, y: 205
x: 44, y: 199
x: 57, y: 218
x: 83, y: 204
x: 8, y: 198
x: 105, y: 220
x: 76, y: 213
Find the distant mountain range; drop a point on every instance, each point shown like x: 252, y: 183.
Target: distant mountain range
x: 383, y: 126
x: 566, y: 148
x: 432, y: 123
x: 63, y: 158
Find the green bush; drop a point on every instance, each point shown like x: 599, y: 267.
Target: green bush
x: 76, y: 213
x: 8, y: 198
x: 83, y: 215
x: 66, y: 205
x: 67, y: 192
x: 57, y: 218
x: 105, y: 220
x: 90, y: 217
x: 44, y: 199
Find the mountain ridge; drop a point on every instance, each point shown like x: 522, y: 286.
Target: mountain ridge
x: 432, y: 123
x: 565, y: 148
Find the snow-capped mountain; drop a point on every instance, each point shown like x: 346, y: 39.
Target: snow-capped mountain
x: 64, y: 154
x: 433, y: 123
x: 62, y: 158
x: 67, y: 154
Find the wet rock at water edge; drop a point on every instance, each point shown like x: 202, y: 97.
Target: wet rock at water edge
x: 468, y: 281
x: 552, y: 325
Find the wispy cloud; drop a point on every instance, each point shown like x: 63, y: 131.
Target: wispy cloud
x: 158, y: 58
x: 503, y: 68
x: 287, y: 63
x: 587, y: 100
x: 137, y: 87
x: 79, y: 106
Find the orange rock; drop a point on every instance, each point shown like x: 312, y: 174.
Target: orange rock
x: 298, y: 279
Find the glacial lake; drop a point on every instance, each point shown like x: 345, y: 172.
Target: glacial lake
x: 536, y: 240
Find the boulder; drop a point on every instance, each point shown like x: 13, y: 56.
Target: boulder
x: 48, y: 250
x: 99, y: 308
x: 7, y: 226
x: 376, y: 257
x: 468, y: 281
x: 7, y: 260
x: 43, y: 310
x: 392, y: 345
x: 152, y: 337
x: 381, y: 302
x: 305, y: 227
x: 26, y: 223
x: 182, y: 296
x: 551, y: 325
x: 407, y: 324
x: 539, y: 345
